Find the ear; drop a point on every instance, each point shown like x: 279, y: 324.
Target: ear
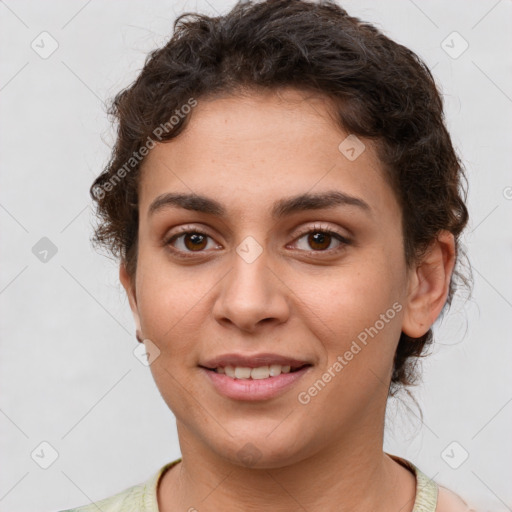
x: 429, y: 284
x: 129, y: 287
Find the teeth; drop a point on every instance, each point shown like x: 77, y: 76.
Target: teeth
x: 277, y: 369
x: 242, y: 372
x: 259, y: 373
x: 262, y: 372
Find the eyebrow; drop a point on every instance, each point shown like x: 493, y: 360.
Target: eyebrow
x: 281, y: 208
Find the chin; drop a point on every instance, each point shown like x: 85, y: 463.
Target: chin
x: 264, y: 451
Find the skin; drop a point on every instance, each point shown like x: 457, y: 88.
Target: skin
x: 295, y: 299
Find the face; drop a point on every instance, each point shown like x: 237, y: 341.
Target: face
x: 250, y: 270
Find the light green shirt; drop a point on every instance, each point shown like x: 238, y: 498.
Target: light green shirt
x: 143, y: 497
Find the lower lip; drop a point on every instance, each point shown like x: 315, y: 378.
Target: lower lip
x: 254, y: 389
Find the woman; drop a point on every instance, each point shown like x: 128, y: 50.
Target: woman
x: 286, y: 206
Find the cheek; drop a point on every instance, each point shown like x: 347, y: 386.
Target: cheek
x: 172, y: 309
x: 167, y: 297
x: 352, y: 296
x: 358, y: 323
x: 357, y: 310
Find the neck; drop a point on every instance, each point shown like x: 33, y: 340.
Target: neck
x: 353, y: 474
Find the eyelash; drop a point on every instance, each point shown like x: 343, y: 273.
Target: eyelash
x: 187, y: 230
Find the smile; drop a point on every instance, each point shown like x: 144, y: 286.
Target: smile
x: 256, y: 376
x: 261, y: 372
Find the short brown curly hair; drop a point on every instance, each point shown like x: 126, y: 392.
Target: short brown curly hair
x: 381, y: 90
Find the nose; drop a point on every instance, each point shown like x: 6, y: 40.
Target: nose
x: 251, y: 295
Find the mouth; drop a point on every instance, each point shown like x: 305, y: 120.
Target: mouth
x: 251, y: 379
x: 255, y: 366
x: 256, y: 373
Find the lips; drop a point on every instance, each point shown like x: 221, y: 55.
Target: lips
x: 254, y: 377
x: 250, y: 390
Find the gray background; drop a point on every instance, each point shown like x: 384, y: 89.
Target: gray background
x: 68, y: 374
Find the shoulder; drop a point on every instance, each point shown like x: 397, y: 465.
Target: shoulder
x: 137, y: 498
x: 128, y: 500
x: 430, y: 495
x: 448, y: 501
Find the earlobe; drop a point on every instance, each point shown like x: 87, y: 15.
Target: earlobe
x: 129, y: 287
x: 429, y: 286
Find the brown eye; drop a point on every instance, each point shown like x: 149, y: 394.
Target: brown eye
x: 185, y: 243
x: 194, y: 241
x: 320, y: 240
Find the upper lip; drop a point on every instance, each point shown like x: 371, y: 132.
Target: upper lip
x: 252, y: 361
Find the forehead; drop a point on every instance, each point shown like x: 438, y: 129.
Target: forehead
x: 247, y: 151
